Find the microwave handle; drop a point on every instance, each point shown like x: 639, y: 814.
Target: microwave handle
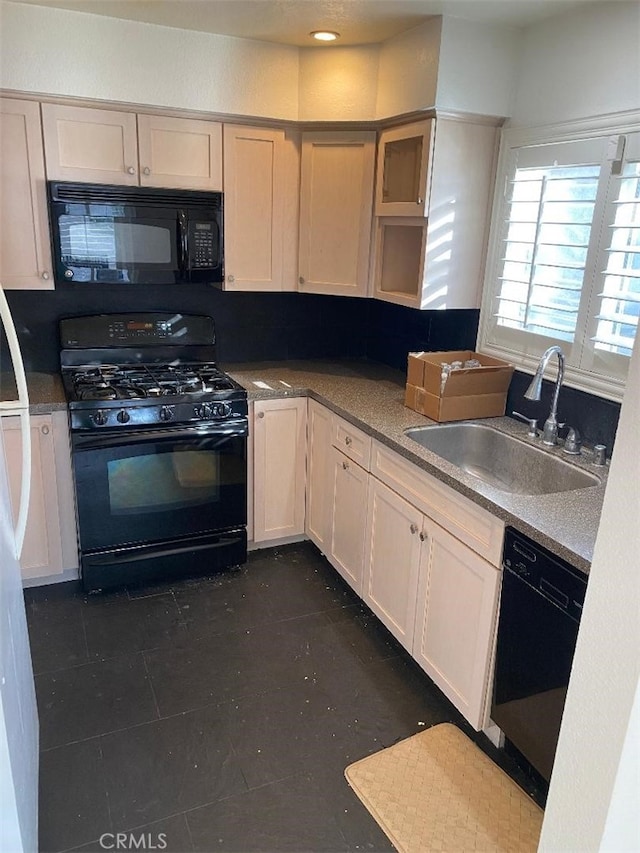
x: 182, y: 241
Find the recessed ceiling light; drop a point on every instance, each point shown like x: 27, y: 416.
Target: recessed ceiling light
x: 325, y: 35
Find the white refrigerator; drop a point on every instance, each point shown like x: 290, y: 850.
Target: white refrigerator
x: 18, y: 709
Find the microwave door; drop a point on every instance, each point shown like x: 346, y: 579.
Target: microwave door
x: 116, y: 243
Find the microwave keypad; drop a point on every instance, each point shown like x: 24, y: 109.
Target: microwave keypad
x: 202, y: 245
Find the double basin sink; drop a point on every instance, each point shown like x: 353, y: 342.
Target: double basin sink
x: 500, y: 460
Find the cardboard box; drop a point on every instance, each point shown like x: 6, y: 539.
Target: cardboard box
x: 475, y: 392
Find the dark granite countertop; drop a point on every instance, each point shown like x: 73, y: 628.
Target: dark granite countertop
x: 46, y: 393
x: 372, y: 397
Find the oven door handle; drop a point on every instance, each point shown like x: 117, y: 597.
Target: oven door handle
x: 99, y: 441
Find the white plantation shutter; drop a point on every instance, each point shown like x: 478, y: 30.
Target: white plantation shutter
x: 564, y: 264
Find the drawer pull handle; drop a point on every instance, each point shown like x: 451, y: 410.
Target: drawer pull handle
x: 414, y: 529
x: 348, y: 441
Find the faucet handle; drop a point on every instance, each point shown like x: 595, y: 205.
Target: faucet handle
x: 531, y: 422
x: 573, y: 442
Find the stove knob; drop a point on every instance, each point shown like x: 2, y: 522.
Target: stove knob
x: 222, y: 410
x: 100, y: 418
x: 123, y: 416
x: 203, y: 411
x: 166, y: 413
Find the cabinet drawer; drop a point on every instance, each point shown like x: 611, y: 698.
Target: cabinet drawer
x: 352, y: 442
x: 468, y: 522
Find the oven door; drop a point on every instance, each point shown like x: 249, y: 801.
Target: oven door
x: 148, y: 486
x: 116, y: 243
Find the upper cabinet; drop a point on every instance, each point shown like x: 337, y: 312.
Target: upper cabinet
x: 111, y: 147
x: 25, y: 254
x: 429, y: 253
x: 336, y: 199
x: 404, y: 169
x: 261, y: 180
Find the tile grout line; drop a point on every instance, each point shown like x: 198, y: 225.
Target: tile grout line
x: 150, y: 681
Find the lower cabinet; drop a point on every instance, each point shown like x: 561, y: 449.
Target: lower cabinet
x: 50, y: 545
x: 318, y: 514
x: 348, y: 498
x: 436, y: 596
x: 456, y: 612
x: 392, y: 560
x: 279, y: 456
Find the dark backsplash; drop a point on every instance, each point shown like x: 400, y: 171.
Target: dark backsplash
x: 275, y: 326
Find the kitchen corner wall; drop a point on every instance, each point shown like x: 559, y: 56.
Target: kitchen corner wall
x: 277, y: 326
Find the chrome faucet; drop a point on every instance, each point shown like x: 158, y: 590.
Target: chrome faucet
x: 550, y: 429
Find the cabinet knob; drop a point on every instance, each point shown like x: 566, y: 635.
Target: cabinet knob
x: 345, y: 466
x: 423, y: 536
x: 348, y: 440
x: 44, y: 429
x: 45, y: 275
x: 419, y: 200
x: 131, y: 170
x: 301, y: 280
x: 414, y: 528
x: 231, y: 279
x: 146, y: 171
x: 260, y: 414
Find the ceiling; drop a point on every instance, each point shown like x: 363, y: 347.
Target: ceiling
x: 290, y: 21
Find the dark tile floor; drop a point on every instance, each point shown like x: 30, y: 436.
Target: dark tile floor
x: 219, y: 714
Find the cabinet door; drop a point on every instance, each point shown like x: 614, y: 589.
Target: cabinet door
x: 254, y: 172
x: 348, y: 518
x: 392, y: 560
x: 96, y: 146
x: 25, y: 256
x: 404, y: 169
x: 318, y: 514
x: 335, y: 212
x: 42, y: 550
x: 455, y: 621
x: 279, y: 452
x: 181, y: 153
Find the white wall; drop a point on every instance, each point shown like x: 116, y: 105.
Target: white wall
x: 583, y: 797
x: 408, y: 70
x: 57, y: 52
x: 338, y: 83
x: 580, y: 64
x: 478, y: 66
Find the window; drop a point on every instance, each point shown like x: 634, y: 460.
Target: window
x: 564, y: 261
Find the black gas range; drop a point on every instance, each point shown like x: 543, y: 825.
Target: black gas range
x: 159, y: 437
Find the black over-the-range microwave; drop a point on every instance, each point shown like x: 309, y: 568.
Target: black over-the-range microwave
x: 135, y: 235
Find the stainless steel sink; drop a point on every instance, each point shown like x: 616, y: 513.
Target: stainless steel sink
x: 502, y: 461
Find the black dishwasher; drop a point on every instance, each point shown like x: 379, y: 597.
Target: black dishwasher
x: 540, y: 609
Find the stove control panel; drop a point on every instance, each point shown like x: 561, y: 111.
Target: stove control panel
x: 112, y: 415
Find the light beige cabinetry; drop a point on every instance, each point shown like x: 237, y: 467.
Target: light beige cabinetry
x: 279, y: 457
x: 261, y: 181
x: 392, y: 561
x: 113, y: 147
x: 430, y: 253
x: 50, y: 545
x: 349, y: 487
x: 336, y: 197
x: 436, y: 595
x: 318, y: 511
x: 404, y: 169
x: 457, y: 602
x: 25, y: 254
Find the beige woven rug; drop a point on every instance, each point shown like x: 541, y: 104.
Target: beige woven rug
x: 438, y: 791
